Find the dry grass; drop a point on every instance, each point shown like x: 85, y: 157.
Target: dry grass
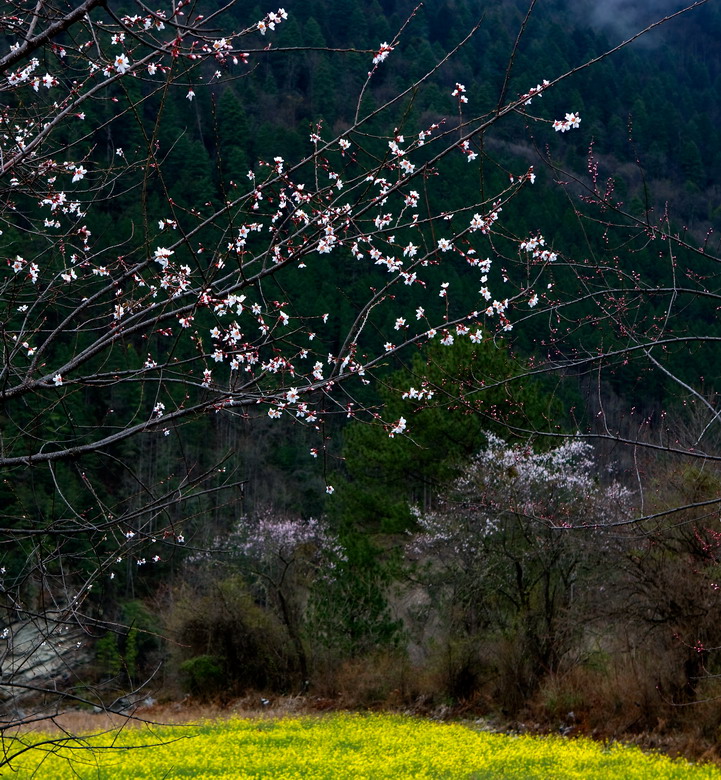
x: 174, y: 713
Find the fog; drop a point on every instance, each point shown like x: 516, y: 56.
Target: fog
x: 624, y: 18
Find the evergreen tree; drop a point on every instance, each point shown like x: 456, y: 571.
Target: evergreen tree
x: 453, y: 397
x: 235, y: 146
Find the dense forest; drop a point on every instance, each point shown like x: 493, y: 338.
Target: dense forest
x: 535, y: 545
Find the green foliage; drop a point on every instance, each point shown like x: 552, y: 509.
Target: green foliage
x: 107, y: 654
x: 475, y: 390
x: 691, y: 163
x: 234, y: 140
x: 348, y: 613
x: 130, y: 652
x: 203, y: 675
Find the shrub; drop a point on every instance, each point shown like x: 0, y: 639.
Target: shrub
x: 226, y: 641
x: 203, y: 675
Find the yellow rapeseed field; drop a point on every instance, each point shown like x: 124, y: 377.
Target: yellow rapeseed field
x: 335, y: 747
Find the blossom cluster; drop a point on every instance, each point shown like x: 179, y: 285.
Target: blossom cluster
x: 271, y: 536
x: 270, y: 21
x: 558, y: 488
x: 382, y: 54
x: 536, y: 91
x: 570, y: 121
x: 536, y: 247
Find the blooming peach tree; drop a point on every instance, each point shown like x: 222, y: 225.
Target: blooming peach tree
x: 513, y: 548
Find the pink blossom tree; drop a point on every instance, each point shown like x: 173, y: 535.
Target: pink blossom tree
x: 510, y: 554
